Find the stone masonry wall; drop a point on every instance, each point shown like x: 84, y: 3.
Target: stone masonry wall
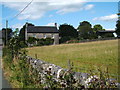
x: 54, y: 36
x: 57, y: 72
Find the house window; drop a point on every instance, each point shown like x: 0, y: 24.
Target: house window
x: 34, y: 35
x: 40, y: 36
x: 44, y: 36
x: 49, y: 35
x: 52, y: 35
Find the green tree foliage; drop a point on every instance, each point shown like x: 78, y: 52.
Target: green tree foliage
x: 67, y: 32
x: 85, y: 23
x: 118, y: 28
x: 22, y: 32
x: 31, y: 40
x: 48, y: 41
x: 9, y: 34
x: 97, y: 27
x: 85, y: 30
x: 39, y: 42
x: 14, y: 44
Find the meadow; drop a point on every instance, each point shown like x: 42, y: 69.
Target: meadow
x: 85, y: 56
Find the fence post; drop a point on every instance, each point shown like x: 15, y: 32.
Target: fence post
x: 36, y: 56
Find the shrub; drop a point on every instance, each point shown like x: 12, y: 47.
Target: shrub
x: 31, y: 40
x: 23, y: 44
x: 47, y: 41
x: 41, y: 42
x: 64, y: 39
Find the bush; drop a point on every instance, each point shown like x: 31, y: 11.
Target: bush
x: 64, y: 39
x: 47, y: 41
x: 41, y: 42
x: 23, y: 44
x: 7, y: 57
x: 20, y: 73
x: 31, y: 40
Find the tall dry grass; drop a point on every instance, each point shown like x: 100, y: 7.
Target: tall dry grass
x: 85, y: 56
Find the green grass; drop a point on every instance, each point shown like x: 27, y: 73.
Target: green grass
x: 85, y: 56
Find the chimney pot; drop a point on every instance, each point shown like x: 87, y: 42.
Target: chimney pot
x: 55, y: 24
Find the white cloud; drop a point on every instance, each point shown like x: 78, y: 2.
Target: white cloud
x: 37, y: 10
x: 59, y: 0
x: 112, y: 17
x: 17, y: 26
x: 50, y: 24
x: 88, y: 7
x: 112, y: 29
x: 51, y: 15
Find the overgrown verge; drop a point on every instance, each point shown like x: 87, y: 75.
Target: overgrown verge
x: 16, y: 68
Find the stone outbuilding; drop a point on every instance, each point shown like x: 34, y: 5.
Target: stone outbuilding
x: 108, y: 33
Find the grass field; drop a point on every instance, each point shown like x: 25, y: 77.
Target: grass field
x: 85, y: 56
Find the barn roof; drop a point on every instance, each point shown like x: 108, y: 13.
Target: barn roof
x: 42, y: 29
x: 106, y: 31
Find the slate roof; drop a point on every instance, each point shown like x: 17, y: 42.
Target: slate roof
x: 42, y: 29
x: 106, y: 31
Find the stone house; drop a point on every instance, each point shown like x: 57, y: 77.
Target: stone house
x: 43, y: 32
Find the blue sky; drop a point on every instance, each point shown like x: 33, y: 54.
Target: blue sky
x: 70, y: 11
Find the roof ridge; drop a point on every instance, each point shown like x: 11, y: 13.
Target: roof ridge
x: 43, y: 29
x: 41, y: 26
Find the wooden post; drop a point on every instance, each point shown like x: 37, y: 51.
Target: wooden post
x: 36, y: 56
x: 69, y: 65
x: 6, y: 30
x: 26, y: 31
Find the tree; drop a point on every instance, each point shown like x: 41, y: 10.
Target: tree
x: 85, y: 30
x: 118, y: 28
x: 14, y: 44
x: 67, y: 32
x: 85, y: 23
x: 22, y: 32
x: 97, y: 27
x: 9, y: 34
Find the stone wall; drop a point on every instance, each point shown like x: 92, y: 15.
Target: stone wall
x: 54, y: 36
x: 57, y: 72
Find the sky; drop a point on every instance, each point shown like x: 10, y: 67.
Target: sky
x: 46, y: 13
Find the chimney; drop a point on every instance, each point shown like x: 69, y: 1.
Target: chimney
x: 56, y: 25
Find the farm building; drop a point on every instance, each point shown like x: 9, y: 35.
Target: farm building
x: 107, y: 33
